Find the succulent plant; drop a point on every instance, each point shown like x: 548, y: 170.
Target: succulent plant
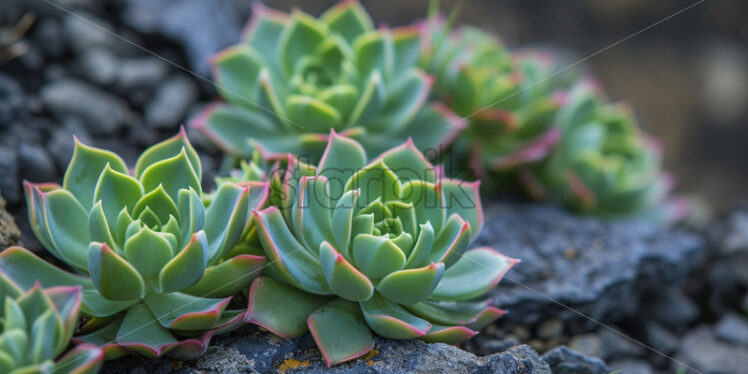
x: 505, y: 97
x: 604, y: 164
x: 294, y: 77
x: 35, y: 328
x: 154, y: 263
x: 355, y: 247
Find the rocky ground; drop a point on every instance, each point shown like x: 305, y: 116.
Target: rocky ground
x: 680, y: 293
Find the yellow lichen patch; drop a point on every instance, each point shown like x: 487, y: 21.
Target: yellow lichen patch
x: 371, y: 355
x: 291, y: 364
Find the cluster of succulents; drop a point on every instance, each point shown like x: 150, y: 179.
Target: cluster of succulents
x: 505, y: 98
x: 355, y: 246
x: 35, y: 328
x: 379, y: 246
x: 603, y: 164
x: 294, y: 77
x: 157, y: 267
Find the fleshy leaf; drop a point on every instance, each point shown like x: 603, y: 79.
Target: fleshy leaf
x: 474, y: 274
x: 391, y: 320
x: 340, y: 331
x: 226, y: 219
x: 428, y: 201
x: 312, y: 212
x: 141, y: 333
x: 178, y: 311
x: 342, y: 158
x: 313, y: 114
x: 376, y: 256
x: 83, y: 359
x: 287, y: 256
x: 299, y: 37
x: 344, y: 279
x: 410, y: 286
x: 114, y: 277
x: 408, y: 163
x: 187, y: 267
x: 348, y: 19
x: 375, y: 181
x: 452, y: 241
x: 67, y: 225
x: 148, y: 252
x: 448, y: 334
x: 116, y: 191
x: 228, y: 277
x: 281, y: 308
x: 463, y: 199
x: 84, y: 170
x: 173, y: 174
x: 167, y: 149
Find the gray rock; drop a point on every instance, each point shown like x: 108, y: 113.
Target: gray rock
x: 50, y: 36
x: 588, y: 344
x: 13, y: 104
x: 660, y: 338
x: 61, y: 144
x: 673, y: 308
x: 36, y: 163
x: 615, y: 345
x: 732, y: 328
x: 550, y: 329
x: 599, y: 268
x: 744, y: 303
x: 140, y: 72
x: 171, y: 102
x: 9, y: 233
x: 85, y: 31
x: 100, y: 66
x: 218, y: 23
x: 632, y: 367
x: 102, y: 113
x: 248, y: 350
x: 731, y: 234
x: 9, y: 185
x: 704, y: 352
x: 563, y: 360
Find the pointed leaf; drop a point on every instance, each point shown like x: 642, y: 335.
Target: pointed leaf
x: 463, y: 199
x: 228, y: 277
x: 173, y: 174
x: 116, y: 191
x: 225, y: 219
x: 67, y: 225
x: 148, y: 252
x: 452, y: 241
x: 236, y: 69
x: 474, y: 274
x: 139, y: 332
x: 114, y: 277
x: 374, y: 52
x: 344, y: 279
x: 300, y: 36
x: 281, y: 308
x: 342, y: 158
x: 178, y: 311
x: 158, y: 202
x: 410, y: 286
x: 191, y: 214
x: 168, y: 149
x: 187, y: 267
x: 391, y: 320
x: 287, y: 256
x: 370, y: 101
x: 376, y: 256
x: 408, y: 163
x: 349, y: 19
x: 340, y: 331
x: 428, y: 201
x: 313, y: 212
x: 83, y: 359
x: 84, y: 170
x: 375, y: 181
x: 98, y: 226
x: 342, y: 221
x: 448, y: 334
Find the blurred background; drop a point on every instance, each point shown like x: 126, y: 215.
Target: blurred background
x: 686, y: 78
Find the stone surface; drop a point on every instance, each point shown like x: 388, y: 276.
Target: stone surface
x: 632, y: 367
x: 564, y: 360
x: 704, y: 352
x: 9, y: 233
x: 599, y: 268
x: 9, y: 175
x: 250, y: 351
x: 172, y: 99
x: 732, y: 328
x: 101, y: 112
x: 218, y: 23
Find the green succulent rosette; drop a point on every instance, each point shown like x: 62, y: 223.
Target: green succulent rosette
x: 35, y: 329
x: 604, y: 165
x: 354, y: 248
x: 157, y: 267
x: 505, y: 97
x: 294, y: 77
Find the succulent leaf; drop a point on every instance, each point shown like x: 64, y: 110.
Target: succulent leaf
x: 340, y: 318
x: 295, y: 75
x: 140, y: 241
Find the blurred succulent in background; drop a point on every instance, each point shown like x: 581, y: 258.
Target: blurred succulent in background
x: 355, y: 247
x: 294, y: 77
x: 154, y: 263
x: 506, y: 98
x: 35, y: 328
x: 604, y: 164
